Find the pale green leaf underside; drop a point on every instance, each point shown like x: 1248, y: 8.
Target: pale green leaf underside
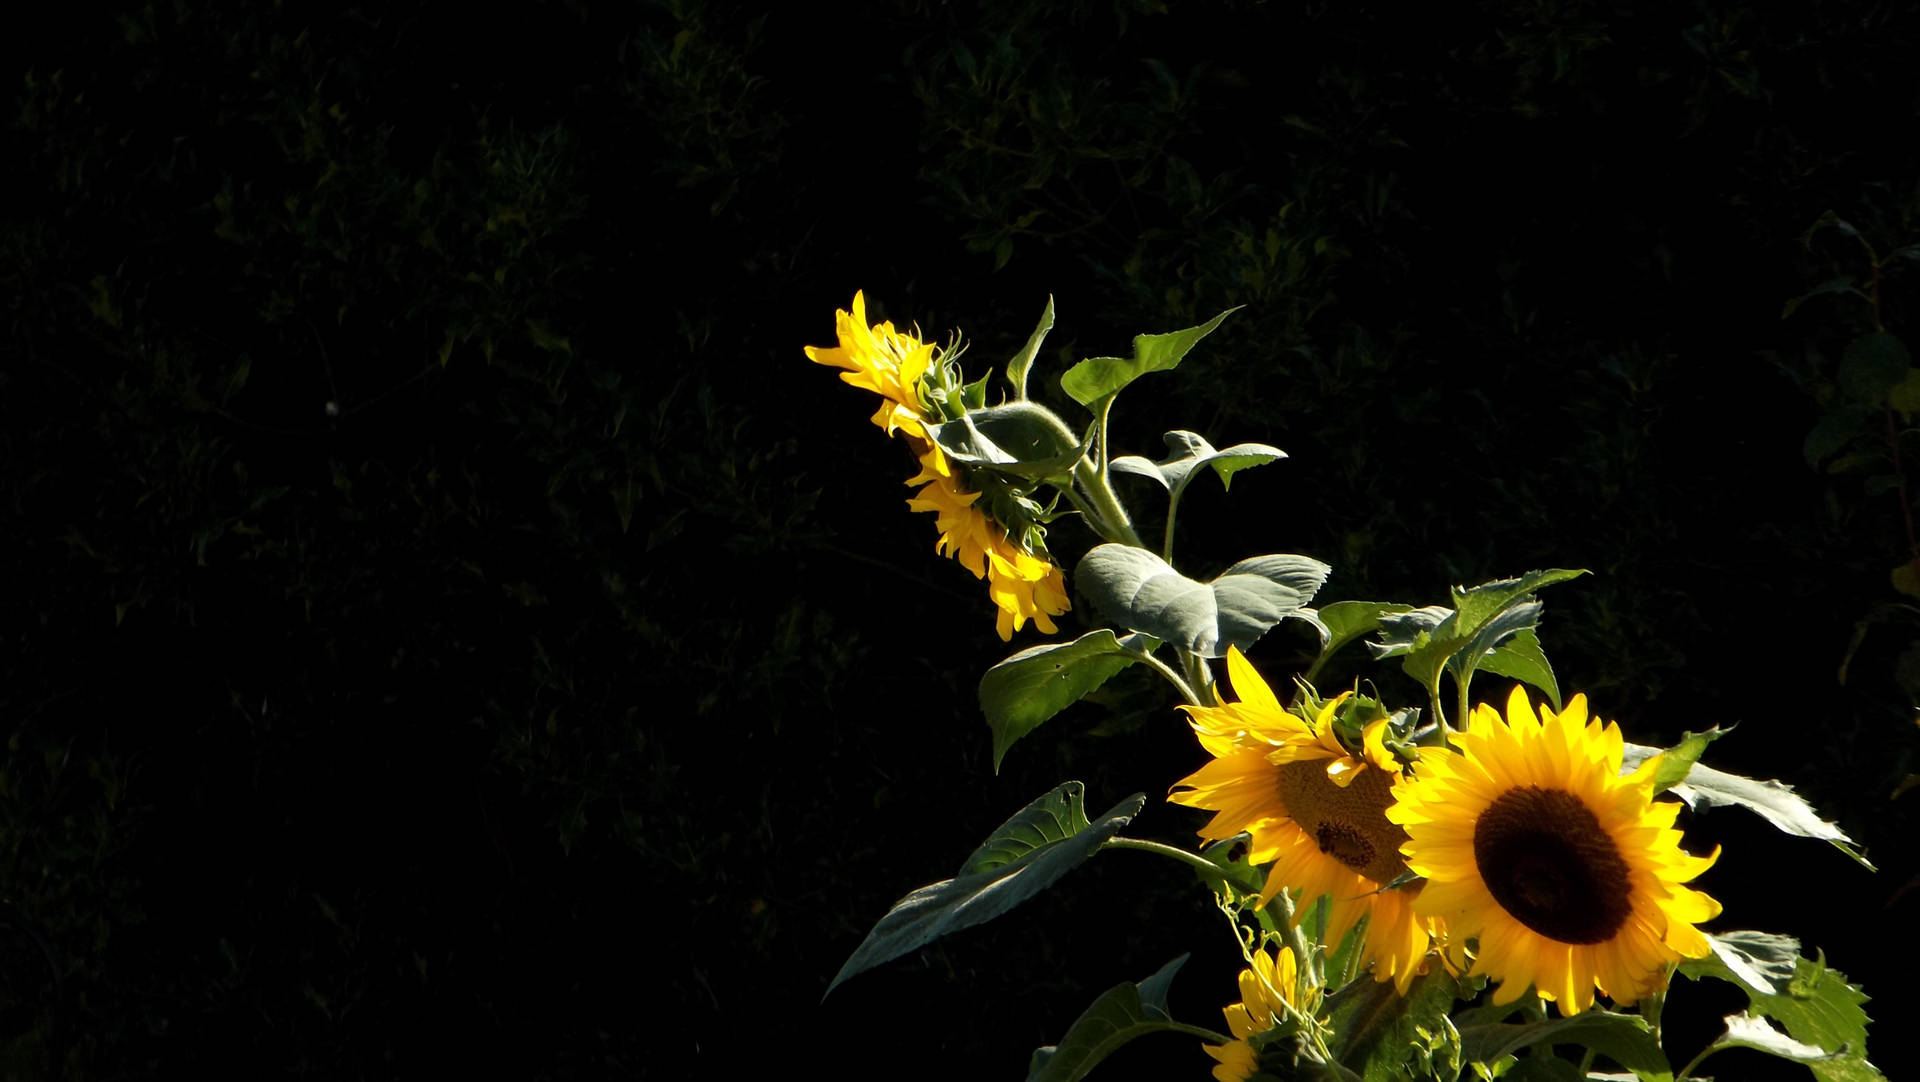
x: 1142, y: 592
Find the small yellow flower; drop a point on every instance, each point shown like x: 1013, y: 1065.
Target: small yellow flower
x: 1316, y: 811
x: 1568, y: 872
x: 1266, y: 991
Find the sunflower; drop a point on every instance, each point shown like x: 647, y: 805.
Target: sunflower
x: 1023, y: 583
x: 1313, y: 808
x: 1266, y: 991
x: 1568, y: 872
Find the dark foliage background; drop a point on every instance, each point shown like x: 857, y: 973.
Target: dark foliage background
x: 449, y: 623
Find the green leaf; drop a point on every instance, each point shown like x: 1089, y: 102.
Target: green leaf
x: 1375, y: 1028
x: 1842, y: 284
x: 1141, y: 592
x: 1747, y: 1031
x: 1099, y: 377
x: 1872, y: 365
x: 1522, y: 659
x: 1055, y: 817
x: 1018, y: 437
x: 1822, y: 1009
x: 1122, y: 1013
x: 1035, y: 684
x: 1833, y: 432
x: 1022, y: 362
x: 952, y: 904
x: 1437, y: 639
x: 1346, y: 621
x: 1759, y: 962
x: 1188, y: 452
x: 1775, y: 801
x: 1624, y: 1038
x: 1678, y: 761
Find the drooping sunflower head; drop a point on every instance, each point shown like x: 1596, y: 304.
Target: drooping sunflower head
x: 879, y: 358
x: 1567, y: 871
x: 1268, y: 988
x: 1314, y: 808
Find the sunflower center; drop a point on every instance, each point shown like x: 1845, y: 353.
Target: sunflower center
x: 1350, y: 825
x: 1551, y: 865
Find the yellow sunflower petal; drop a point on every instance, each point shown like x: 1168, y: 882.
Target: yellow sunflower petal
x: 1567, y: 873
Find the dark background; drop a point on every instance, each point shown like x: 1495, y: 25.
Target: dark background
x: 448, y: 622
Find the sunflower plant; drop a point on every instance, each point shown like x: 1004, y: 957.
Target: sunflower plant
x: 1437, y: 889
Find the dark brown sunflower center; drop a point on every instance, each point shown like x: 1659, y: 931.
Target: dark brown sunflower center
x: 1349, y: 825
x: 1547, y: 860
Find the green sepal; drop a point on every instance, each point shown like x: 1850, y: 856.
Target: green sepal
x: 1022, y: 363
x: 1775, y: 801
x: 952, y: 904
x: 1190, y: 451
x: 1624, y: 1038
x: 1123, y: 1012
x: 1027, y: 688
x: 1142, y: 592
x: 1100, y: 377
x: 974, y: 395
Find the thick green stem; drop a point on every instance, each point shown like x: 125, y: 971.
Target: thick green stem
x: 1199, y: 677
x: 1200, y: 864
x: 1186, y: 690
x: 1166, y: 544
x: 1103, y: 510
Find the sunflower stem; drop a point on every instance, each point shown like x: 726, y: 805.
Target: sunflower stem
x: 1199, y: 677
x: 1103, y: 510
x: 1186, y: 690
x: 1213, y: 872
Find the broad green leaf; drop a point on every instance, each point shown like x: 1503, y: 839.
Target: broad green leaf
x: 1018, y: 437
x: 1055, y: 817
x: 1481, y: 603
x: 1348, y: 620
x: 1124, y: 1012
x: 1521, y: 658
x: 1842, y: 284
x: 1759, y: 962
x: 1747, y: 1031
x: 1832, y: 432
x: 1035, y: 684
x: 1375, y: 1028
x: 1872, y: 365
x: 1815, y: 1004
x: 1775, y: 801
x: 1542, y: 1067
x: 1624, y: 1038
x: 1188, y: 451
x: 1141, y: 592
x: 952, y: 904
x: 1022, y: 362
x: 1098, y: 377
x: 1822, y: 1009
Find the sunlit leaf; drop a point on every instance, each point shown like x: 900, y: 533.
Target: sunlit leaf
x: 1775, y: 801
x: 1098, y: 377
x: 1026, y: 689
x: 1122, y: 1013
x: 1141, y: 592
x: 952, y: 904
